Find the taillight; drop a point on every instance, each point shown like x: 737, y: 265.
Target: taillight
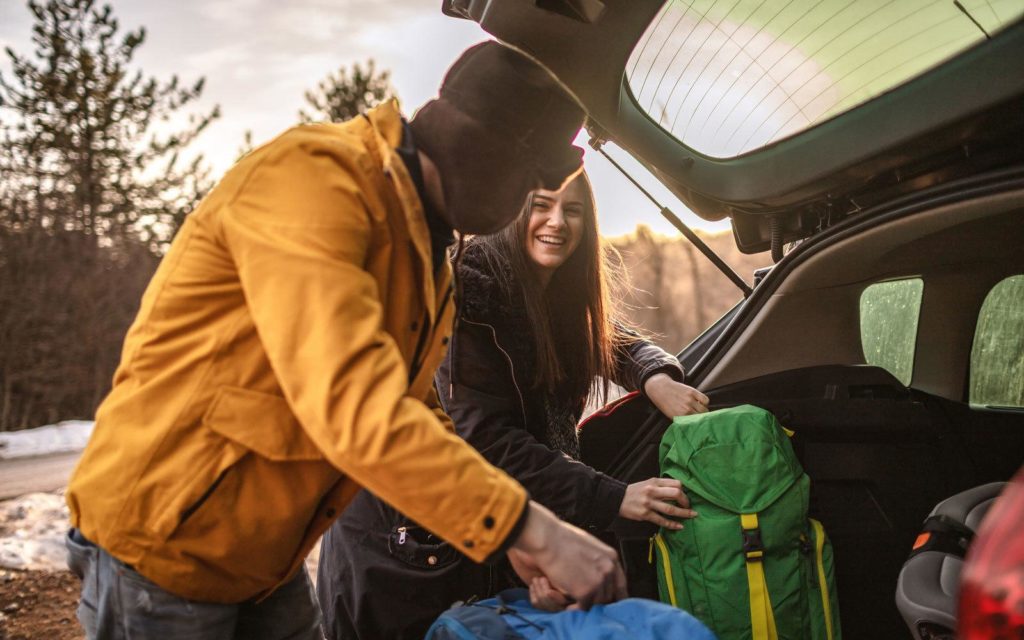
x: 992, y: 588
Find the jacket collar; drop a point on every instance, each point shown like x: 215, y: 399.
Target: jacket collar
x: 386, y: 124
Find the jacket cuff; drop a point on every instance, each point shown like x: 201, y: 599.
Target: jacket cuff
x: 607, y: 502
x: 513, y: 535
x: 674, y: 371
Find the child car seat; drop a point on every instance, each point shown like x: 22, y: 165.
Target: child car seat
x: 926, y: 591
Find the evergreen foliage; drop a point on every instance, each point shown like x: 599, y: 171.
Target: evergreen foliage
x: 88, y: 140
x: 92, y: 188
x: 348, y: 93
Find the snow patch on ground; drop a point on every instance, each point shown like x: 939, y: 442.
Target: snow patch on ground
x: 70, y: 435
x: 32, y: 530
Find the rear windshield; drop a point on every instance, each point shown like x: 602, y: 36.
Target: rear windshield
x: 726, y: 77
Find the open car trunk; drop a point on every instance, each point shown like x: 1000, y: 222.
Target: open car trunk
x: 880, y: 457
x: 888, y: 140
x: 880, y: 453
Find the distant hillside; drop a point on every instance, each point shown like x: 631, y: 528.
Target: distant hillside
x: 678, y: 292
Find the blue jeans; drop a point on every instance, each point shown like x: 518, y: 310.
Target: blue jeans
x: 119, y: 604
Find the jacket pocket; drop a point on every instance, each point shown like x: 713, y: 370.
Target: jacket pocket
x: 82, y: 560
x: 261, y: 423
x: 237, y: 422
x: 250, y: 517
x: 417, y: 547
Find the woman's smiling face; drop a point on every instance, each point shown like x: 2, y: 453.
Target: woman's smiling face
x: 555, y: 227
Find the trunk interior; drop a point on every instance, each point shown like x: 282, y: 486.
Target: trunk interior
x: 880, y: 453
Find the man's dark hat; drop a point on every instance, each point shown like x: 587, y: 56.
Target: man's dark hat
x: 500, y: 127
x: 505, y: 90
x: 503, y: 97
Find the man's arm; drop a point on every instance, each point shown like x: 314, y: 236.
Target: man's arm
x: 299, y: 232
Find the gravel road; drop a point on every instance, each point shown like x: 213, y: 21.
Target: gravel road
x: 42, y: 473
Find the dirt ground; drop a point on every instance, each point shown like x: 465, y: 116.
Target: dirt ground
x: 38, y: 605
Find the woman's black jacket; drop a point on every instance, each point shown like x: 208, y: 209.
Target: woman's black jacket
x: 382, y: 576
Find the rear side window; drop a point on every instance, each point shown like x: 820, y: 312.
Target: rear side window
x: 997, y: 358
x: 889, y: 312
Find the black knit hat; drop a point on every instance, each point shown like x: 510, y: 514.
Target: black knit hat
x: 500, y: 127
x: 504, y: 89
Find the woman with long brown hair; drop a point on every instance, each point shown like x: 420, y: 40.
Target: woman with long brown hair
x: 537, y: 334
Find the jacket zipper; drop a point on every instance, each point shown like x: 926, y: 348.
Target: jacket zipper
x: 191, y: 509
x: 512, y: 368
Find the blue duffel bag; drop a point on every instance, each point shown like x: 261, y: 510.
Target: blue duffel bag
x: 509, y: 616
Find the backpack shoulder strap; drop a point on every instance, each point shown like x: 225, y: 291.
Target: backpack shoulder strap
x: 762, y: 619
x: 819, y: 563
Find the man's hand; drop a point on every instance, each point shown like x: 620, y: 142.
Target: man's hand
x: 574, y: 563
x: 674, y: 398
x: 545, y: 597
x: 652, y: 500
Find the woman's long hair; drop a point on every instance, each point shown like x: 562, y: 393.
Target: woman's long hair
x: 574, y: 321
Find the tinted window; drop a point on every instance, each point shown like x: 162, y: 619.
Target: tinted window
x: 997, y: 359
x: 729, y: 76
x: 888, y: 325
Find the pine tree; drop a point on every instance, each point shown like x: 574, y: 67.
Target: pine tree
x: 347, y: 93
x: 87, y: 138
x: 93, y: 184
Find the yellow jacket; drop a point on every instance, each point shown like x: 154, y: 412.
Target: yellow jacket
x: 282, y: 359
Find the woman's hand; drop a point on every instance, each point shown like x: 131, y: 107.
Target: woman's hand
x: 545, y: 597
x: 674, y: 398
x: 652, y: 499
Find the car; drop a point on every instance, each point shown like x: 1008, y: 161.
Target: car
x: 877, y: 151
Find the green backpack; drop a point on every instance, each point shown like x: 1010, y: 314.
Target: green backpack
x: 751, y: 564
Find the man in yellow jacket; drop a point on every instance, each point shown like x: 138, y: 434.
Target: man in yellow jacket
x: 283, y: 358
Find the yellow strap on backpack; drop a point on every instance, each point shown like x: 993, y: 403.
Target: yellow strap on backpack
x: 762, y: 619
x: 819, y: 562
x: 666, y: 566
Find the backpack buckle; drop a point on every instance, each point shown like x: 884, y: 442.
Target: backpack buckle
x: 753, y: 547
x: 805, y: 545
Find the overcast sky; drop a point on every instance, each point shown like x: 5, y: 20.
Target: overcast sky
x: 259, y: 56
